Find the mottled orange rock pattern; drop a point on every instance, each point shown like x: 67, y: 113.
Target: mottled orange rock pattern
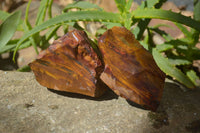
x: 130, y: 70
x: 71, y: 65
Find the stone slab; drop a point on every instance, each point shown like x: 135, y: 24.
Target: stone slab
x: 27, y: 107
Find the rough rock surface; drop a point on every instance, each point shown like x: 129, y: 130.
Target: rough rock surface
x: 27, y: 107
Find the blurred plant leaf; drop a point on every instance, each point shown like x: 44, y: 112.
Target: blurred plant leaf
x: 27, y: 26
x: 12, y: 44
x: 8, y: 28
x: 166, y: 15
x: 3, y: 15
x: 83, y: 5
x: 164, y: 47
x: 193, y: 77
x: 184, y: 30
x: 162, y: 33
x: 179, y: 61
x: 197, y: 10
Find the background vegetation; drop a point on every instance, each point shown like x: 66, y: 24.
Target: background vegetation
x: 175, y: 56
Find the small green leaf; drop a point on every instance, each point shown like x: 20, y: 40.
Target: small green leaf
x: 166, y: 36
x: 151, y: 3
x: 184, y: 30
x: 164, y: 47
x: 7, y: 48
x: 12, y: 44
x: 24, y: 69
x: 51, y: 32
x: 8, y: 28
x: 197, y: 10
x: 171, y: 70
x: 83, y: 5
x: 179, y: 61
x: 193, y: 77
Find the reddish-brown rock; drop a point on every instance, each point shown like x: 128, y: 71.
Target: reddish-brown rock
x: 130, y: 70
x: 71, y: 65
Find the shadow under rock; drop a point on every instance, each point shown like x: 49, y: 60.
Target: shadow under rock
x: 135, y: 105
x: 108, y: 95
x: 6, y: 63
x: 178, y: 108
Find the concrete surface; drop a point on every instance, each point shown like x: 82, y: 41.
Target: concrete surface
x: 27, y: 107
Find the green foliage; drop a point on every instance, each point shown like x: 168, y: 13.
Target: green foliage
x: 171, y: 70
x: 166, y: 15
x: 82, y: 5
x: 3, y: 15
x: 8, y: 28
x: 174, y: 56
x: 197, y: 10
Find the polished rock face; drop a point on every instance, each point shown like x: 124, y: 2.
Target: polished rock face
x: 130, y: 70
x: 71, y: 65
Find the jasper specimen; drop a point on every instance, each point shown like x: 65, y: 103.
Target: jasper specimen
x: 70, y: 64
x: 130, y: 70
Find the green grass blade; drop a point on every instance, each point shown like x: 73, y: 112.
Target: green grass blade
x: 166, y: 36
x: 171, y: 70
x: 8, y: 28
x: 193, y: 77
x: 83, y: 5
x: 164, y: 47
x: 12, y: 44
x: 41, y: 12
x: 51, y: 32
x: 27, y: 27
x: 184, y: 30
x: 179, y: 61
x: 50, y: 9
x: 166, y: 15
